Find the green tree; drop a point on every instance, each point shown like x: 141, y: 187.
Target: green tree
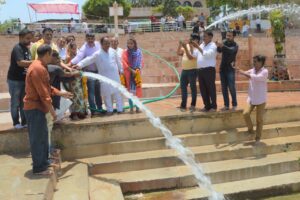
x: 186, y: 11
x: 167, y: 7
x: 243, y: 3
x: 10, y: 23
x: 95, y: 9
x: 278, y: 31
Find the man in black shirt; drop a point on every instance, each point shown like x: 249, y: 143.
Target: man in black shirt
x: 19, y: 61
x: 229, y: 49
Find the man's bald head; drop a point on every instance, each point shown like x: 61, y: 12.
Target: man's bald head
x: 114, y: 42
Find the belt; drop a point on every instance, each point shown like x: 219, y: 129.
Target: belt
x: 202, y: 68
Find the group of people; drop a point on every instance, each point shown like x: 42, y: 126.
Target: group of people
x: 199, y: 62
x: 38, y: 70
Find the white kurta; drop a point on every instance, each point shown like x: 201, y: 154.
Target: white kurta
x: 108, y: 65
x: 119, y: 52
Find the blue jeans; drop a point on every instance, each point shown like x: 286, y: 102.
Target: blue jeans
x: 188, y: 77
x: 38, y: 138
x: 228, y: 82
x: 245, y: 34
x: 17, y: 93
x: 94, y: 95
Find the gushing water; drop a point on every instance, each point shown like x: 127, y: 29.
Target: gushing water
x: 285, y: 8
x: 175, y: 143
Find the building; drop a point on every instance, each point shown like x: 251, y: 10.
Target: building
x: 145, y: 12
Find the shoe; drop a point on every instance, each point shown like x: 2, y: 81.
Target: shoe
x: 47, y: 172
x: 95, y: 114
x: 212, y: 110
x: 203, y: 110
x: 25, y: 126
x: 120, y: 112
x: 234, y: 108
x: 192, y: 109
x: 250, y: 134
x: 225, y: 108
x: 109, y: 113
x: 257, y: 141
x: 131, y: 111
x: 18, y: 126
x: 182, y: 109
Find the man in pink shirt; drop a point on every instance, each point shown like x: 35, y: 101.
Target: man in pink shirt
x: 257, y: 94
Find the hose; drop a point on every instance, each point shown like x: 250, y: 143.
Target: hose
x: 155, y: 99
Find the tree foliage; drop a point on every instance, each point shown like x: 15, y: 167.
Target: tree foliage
x: 167, y: 8
x: 278, y: 32
x: 145, y: 3
x: 7, y: 24
x: 186, y: 11
x: 95, y: 9
x: 243, y: 4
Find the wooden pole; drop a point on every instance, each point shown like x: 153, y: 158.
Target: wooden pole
x: 250, y: 49
x: 115, y: 6
x: 29, y: 13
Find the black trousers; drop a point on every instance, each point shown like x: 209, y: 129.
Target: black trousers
x: 207, y: 78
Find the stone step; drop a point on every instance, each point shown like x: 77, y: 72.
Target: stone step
x: 219, y: 172
x: 102, y: 130
x: 189, y: 139
x: 251, y: 189
x: 73, y: 183
x: 208, y: 153
x: 104, y: 189
x: 18, y: 181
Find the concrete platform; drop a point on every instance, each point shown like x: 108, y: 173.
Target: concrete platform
x: 73, y: 183
x: 111, y: 157
x: 18, y: 182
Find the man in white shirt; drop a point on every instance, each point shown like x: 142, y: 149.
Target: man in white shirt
x: 258, y: 24
x: 257, y: 94
x: 245, y: 29
x: 109, y: 65
x: 206, y: 55
x: 94, y: 94
x: 114, y: 42
x: 180, y: 21
x: 61, y: 44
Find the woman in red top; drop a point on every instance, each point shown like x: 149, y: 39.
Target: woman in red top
x: 132, y: 61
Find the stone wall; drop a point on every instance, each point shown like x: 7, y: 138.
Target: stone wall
x: 165, y: 45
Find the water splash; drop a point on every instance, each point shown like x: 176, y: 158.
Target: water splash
x: 285, y: 8
x: 175, y: 143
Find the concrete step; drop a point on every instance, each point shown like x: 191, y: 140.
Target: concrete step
x: 103, y: 130
x: 18, y: 182
x: 189, y: 139
x: 104, y: 189
x: 250, y: 189
x: 208, y: 153
x: 219, y: 172
x: 139, y: 128
x: 73, y: 183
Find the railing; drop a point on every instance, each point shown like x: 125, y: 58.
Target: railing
x: 131, y: 27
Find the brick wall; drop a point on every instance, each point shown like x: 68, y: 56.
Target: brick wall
x: 165, y: 45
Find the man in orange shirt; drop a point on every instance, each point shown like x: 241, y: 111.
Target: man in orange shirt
x: 38, y: 103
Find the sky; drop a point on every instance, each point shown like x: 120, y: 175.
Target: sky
x: 19, y: 9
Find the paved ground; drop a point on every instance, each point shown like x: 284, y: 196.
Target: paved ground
x: 288, y: 197
x: 168, y: 107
